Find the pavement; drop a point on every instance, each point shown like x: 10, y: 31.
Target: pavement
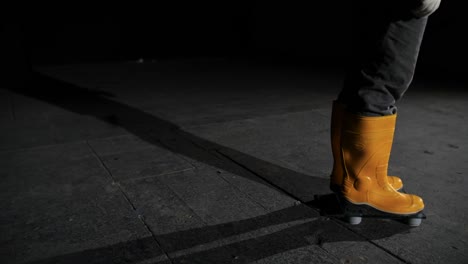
x: 209, y: 161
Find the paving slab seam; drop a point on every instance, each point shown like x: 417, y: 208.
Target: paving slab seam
x: 336, y: 221
x: 140, y: 217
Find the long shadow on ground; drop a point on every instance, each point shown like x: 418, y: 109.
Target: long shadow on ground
x: 287, y: 229
x: 240, y: 242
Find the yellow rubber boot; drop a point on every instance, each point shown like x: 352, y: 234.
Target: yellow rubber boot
x: 366, y: 143
x: 336, y: 178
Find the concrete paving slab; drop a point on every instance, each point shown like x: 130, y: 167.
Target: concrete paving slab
x: 32, y: 123
x: 211, y: 197
x: 162, y: 209
x: 119, y: 144
x: 435, y: 241
x: 70, y: 128
x: 19, y: 135
x: 287, y: 140
x: 144, y: 163
x: 283, y: 140
x: 258, y: 190
x: 59, y: 205
x: 27, y: 108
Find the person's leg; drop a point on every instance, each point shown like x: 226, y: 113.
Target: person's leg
x: 384, y: 54
x: 385, y: 51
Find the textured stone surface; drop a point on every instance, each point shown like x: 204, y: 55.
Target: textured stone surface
x: 205, y: 163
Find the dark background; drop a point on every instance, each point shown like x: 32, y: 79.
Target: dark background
x: 289, y: 31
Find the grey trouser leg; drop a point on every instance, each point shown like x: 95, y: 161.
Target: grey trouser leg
x: 384, y: 54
